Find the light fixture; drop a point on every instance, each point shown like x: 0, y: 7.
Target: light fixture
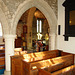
x: 46, y: 37
x: 38, y: 14
x: 39, y: 36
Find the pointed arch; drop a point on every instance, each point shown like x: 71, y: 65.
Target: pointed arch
x: 41, y: 5
x: 4, y: 23
x: 45, y: 9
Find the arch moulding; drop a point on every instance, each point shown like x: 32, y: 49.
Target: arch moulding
x: 4, y: 23
x: 45, y: 9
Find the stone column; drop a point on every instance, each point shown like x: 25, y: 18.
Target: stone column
x: 29, y: 28
x: 9, y: 51
x: 52, y: 41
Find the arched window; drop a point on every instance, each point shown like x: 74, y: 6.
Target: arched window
x: 39, y: 26
x: 0, y: 30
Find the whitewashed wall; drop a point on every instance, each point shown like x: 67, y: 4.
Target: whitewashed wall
x: 68, y: 46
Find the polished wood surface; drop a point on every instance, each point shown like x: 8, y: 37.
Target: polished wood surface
x: 16, y: 65
x: 43, y: 72
x: 49, y: 64
x: 65, y: 66
x: 2, y: 62
x: 65, y: 71
x: 2, y: 56
x: 20, y: 52
x: 16, y: 60
x: 21, y: 64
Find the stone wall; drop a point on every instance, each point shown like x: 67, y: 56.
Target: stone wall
x: 9, y: 8
x: 13, y: 9
x: 12, y: 5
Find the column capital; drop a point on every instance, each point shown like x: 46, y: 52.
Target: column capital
x: 9, y: 36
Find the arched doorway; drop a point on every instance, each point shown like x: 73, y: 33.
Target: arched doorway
x: 33, y: 31
x: 46, y: 10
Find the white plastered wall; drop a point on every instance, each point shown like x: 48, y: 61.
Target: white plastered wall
x: 68, y: 46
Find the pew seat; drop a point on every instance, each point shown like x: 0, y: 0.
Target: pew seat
x: 70, y: 70
x: 54, y: 64
x: 16, y: 60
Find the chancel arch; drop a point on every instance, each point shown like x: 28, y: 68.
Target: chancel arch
x: 4, y: 23
x: 32, y: 28
x: 46, y: 10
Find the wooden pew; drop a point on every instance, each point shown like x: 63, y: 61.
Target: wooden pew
x: 18, y: 49
x: 2, y: 57
x: 2, y: 62
x: 2, y: 54
x: 54, y: 64
x: 66, y: 71
x: 16, y: 61
x: 23, y: 52
x: 20, y: 52
x: 16, y: 65
x: 2, y: 51
x: 2, y: 47
x: 17, y: 53
x: 41, y: 55
x: 70, y: 70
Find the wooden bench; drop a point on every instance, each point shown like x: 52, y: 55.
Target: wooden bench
x: 70, y: 70
x: 63, y: 69
x: 2, y: 62
x: 2, y: 47
x: 20, y: 52
x: 30, y: 68
x: 2, y: 54
x: 2, y: 51
x: 2, y: 57
x: 16, y: 61
x: 41, y: 55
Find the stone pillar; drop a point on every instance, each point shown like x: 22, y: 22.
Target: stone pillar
x: 29, y: 28
x: 9, y: 51
x: 52, y: 41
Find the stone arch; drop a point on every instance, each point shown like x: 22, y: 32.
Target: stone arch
x: 45, y: 9
x: 4, y: 23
